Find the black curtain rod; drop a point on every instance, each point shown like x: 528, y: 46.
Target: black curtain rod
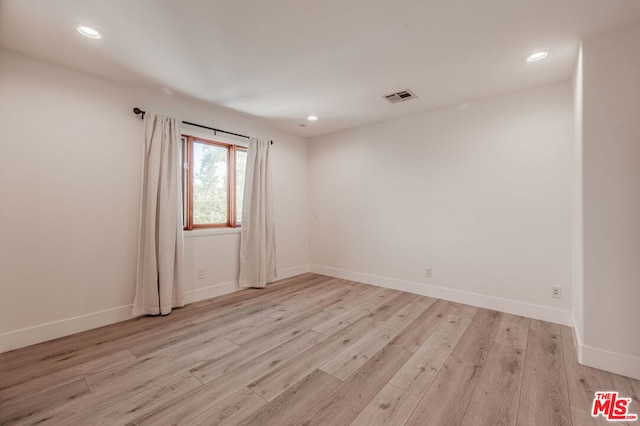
x: 138, y: 111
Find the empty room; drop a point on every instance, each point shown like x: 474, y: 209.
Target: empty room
x: 283, y: 212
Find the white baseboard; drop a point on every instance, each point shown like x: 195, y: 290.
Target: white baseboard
x: 577, y: 338
x: 42, y: 332
x: 203, y: 293
x: 625, y: 365
x: 545, y: 313
x: 216, y: 290
x: 55, y: 329
x: 292, y: 272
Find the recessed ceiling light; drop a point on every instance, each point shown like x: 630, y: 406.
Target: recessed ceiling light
x: 312, y: 118
x: 89, y: 32
x: 537, y: 56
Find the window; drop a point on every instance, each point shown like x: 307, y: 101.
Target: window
x: 212, y: 182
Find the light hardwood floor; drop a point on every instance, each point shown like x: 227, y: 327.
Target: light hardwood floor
x: 309, y: 350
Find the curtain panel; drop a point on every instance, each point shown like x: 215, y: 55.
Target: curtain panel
x: 257, y: 240
x: 160, y: 274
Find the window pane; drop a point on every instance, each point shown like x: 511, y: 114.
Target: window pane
x: 241, y: 170
x: 210, y: 184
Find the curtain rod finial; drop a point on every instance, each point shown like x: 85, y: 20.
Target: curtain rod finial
x: 137, y: 111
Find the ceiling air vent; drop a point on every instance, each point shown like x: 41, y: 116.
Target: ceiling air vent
x: 401, y: 96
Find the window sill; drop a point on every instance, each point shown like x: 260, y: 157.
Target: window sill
x: 209, y: 231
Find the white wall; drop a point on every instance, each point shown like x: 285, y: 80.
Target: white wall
x: 70, y: 175
x: 481, y: 193
x: 611, y: 201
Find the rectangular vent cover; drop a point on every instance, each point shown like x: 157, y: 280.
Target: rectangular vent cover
x: 401, y: 96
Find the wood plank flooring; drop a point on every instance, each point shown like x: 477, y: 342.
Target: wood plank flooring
x: 309, y: 350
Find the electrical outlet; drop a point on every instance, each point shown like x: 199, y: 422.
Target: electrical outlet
x: 427, y: 272
x: 556, y: 292
x: 201, y: 274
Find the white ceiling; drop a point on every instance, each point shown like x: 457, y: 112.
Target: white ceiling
x: 282, y: 60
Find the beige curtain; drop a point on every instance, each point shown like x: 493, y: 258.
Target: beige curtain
x: 257, y: 240
x: 160, y: 277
